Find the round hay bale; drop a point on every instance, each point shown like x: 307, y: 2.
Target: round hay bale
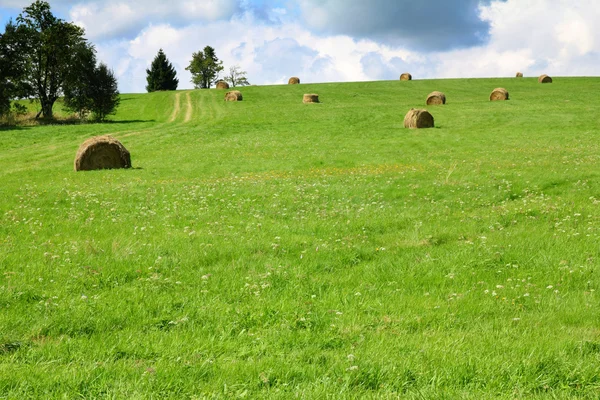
x: 234, y: 95
x: 544, y: 79
x: 310, y: 98
x: 417, y: 118
x: 499, y: 94
x: 519, y: 74
x: 222, y: 85
x: 102, y: 152
x: 294, y: 81
x: 436, y: 98
x: 406, y: 77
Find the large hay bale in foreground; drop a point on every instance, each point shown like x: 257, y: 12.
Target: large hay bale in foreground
x: 436, y: 98
x: 406, y: 77
x: 417, y: 118
x: 499, y: 94
x: 102, y: 152
x: 222, y: 85
x: 519, y: 74
x: 544, y: 79
x: 310, y: 98
x: 234, y: 95
x: 294, y: 80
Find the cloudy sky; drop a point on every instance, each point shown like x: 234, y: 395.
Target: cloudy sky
x: 340, y: 40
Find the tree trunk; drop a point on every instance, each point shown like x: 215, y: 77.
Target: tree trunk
x: 47, y: 105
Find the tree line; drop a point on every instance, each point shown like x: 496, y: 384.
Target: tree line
x: 44, y: 58
x: 205, y: 68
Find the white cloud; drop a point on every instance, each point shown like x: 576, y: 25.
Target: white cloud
x: 540, y: 36
x: 113, y: 18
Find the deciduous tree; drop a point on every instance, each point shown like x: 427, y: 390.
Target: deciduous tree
x: 205, y: 68
x: 237, y: 77
x: 52, y: 49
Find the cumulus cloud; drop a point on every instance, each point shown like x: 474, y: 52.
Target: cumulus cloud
x: 274, y: 40
x: 118, y: 18
x: 423, y: 25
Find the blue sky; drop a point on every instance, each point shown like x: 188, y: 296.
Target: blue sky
x: 340, y: 40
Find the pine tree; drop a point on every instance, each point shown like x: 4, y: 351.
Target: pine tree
x: 161, y: 75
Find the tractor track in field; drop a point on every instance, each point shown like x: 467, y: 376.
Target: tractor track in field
x: 176, y: 108
x: 189, y: 111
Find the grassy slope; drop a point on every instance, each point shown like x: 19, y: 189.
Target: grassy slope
x: 268, y: 248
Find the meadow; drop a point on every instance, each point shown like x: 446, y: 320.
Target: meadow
x: 274, y: 249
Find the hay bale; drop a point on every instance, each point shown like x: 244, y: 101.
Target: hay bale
x: 499, y: 94
x: 102, y: 152
x: 310, y: 98
x: 544, y: 79
x: 519, y: 74
x: 222, y: 85
x: 294, y: 81
x: 234, y: 95
x: 436, y: 98
x: 406, y: 77
x: 417, y: 118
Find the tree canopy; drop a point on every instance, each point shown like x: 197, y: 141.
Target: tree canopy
x: 44, y: 57
x: 52, y: 52
x: 205, y: 68
x: 161, y: 75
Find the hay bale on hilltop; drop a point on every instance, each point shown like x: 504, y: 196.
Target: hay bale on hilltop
x: 436, y: 98
x: 102, y: 152
x: 310, y: 98
x: 406, y: 77
x: 417, y: 118
x: 222, y: 85
x: 234, y: 95
x: 499, y: 94
x: 294, y: 80
x: 544, y: 79
x: 519, y: 74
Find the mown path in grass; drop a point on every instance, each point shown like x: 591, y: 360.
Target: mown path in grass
x: 274, y: 249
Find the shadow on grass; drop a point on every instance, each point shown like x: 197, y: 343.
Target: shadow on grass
x: 4, y: 128
x: 59, y: 122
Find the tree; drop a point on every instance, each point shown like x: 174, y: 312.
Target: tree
x: 95, y: 91
x: 161, y: 75
x: 104, y: 93
x: 12, y: 67
x: 205, y: 68
x: 79, y: 84
x: 237, y: 77
x: 52, y: 49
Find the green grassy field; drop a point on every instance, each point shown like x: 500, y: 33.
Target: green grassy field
x: 271, y: 249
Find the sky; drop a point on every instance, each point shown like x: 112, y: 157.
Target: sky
x: 339, y: 40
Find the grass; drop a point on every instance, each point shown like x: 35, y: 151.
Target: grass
x: 271, y: 249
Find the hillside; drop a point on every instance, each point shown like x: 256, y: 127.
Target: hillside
x: 270, y: 249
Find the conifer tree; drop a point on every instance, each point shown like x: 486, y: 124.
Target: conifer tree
x: 161, y: 75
